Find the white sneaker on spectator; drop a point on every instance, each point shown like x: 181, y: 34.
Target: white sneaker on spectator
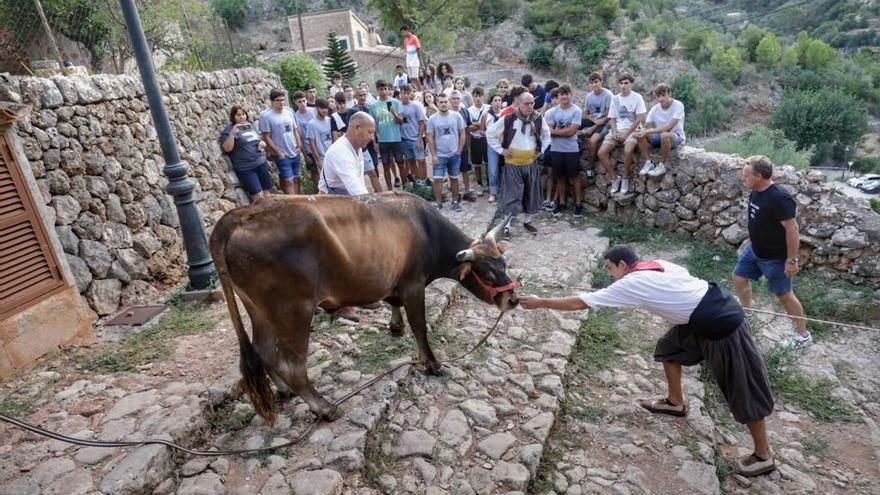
x: 658, y: 170
x: 491, y: 198
x: 646, y: 168
x: 624, y: 186
x: 479, y: 190
x: 797, y: 340
x: 615, y: 186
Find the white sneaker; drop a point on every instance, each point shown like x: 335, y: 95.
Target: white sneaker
x: 491, y: 198
x: 615, y: 185
x: 797, y: 340
x: 479, y: 190
x: 624, y: 186
x: 658, y: 170
x: 646, y: 168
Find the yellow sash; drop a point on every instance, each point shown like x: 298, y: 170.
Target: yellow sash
x: 520, y: 157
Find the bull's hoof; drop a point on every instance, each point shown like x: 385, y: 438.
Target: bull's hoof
x: 329, y: 413
x: 395, y: 329
x: 434, y: 369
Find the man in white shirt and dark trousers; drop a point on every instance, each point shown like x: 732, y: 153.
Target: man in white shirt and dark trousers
x: 709, y: 325
x: 343, y: 171
x: 667, y: 133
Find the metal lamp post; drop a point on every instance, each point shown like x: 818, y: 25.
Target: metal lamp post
x: 201, y: 269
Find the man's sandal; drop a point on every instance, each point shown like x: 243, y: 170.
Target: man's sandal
x: 663, y: 406
x: 752, y: 465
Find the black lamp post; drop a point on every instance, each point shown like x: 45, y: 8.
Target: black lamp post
x: 180, y: 186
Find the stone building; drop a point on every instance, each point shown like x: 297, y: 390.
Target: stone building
x: 361, y: 40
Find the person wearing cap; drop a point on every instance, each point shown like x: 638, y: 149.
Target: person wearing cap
x: 708, y: 325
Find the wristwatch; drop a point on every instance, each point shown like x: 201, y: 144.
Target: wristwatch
x: 793, y: 261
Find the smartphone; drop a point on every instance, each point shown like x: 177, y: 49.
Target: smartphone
x: 245, y: 127
x: 389, y: 106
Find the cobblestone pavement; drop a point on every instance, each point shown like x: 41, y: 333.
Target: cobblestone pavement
x: 538, y: 409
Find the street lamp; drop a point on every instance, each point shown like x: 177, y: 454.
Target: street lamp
x: 201, y: 269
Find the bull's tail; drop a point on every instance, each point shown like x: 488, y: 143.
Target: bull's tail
x: 254, y: 381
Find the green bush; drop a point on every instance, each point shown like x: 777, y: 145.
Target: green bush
x: 817, y: 55
x: 713, y: 110
x: 493, y: 12
x: 569, y: 19
x: 763, y: 141
x: 296, y: 70
x: 726, y: 64
x: 789, y: 57
x: 820, y: 116
x: 665, y: 40
x: 866, y: 164
x: 767, y: 51
x: 540, y: 57
x: 591, y: 50
x: 231, y: 11
x: 699, y: 45
x: 685, y: 88
x: 749, y: 39
x: 875, y: 204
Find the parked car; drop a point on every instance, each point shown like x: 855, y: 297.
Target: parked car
x: 871, y: 186
x: 858, y: 181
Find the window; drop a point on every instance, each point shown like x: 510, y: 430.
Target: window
x: 360, y: 39
x: 343, y: 41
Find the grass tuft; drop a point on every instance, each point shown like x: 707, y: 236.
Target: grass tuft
x: 152, y: 344
x: 16, y: 408
x: 788, y: 381
x: 597, y: 340
x: 816, y: 445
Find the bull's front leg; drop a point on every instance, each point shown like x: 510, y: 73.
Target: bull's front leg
x: 396, y: 323
x: 415, y: 313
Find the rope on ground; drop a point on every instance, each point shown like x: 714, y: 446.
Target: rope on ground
x: 217, y: 453
x: 751, y: 310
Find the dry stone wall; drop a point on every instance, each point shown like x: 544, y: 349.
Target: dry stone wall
x: 94, y: 153
x: 702, y: 195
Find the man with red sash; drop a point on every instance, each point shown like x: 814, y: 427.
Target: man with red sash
x: 709, y: 324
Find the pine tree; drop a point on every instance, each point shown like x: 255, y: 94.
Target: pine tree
x: 338, y: 60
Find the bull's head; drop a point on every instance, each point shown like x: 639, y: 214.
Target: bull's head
x: 482, y: 271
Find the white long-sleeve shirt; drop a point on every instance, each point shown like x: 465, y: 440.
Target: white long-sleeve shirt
x: 343, y: 169
x: 672, y: 294
x: 520, y: 141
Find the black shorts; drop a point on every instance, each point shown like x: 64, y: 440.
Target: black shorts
x: 735, y: 363
x: 479, y: 151
x: 391, y: 150
x: 546, y: 160
x: 465, y: 158
x: 565, y: 165
x: 587, y: 122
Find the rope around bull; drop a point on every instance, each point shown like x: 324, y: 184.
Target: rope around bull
x: 752, y: 310
x: 217, y: 453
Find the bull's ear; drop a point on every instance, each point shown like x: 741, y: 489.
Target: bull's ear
x: 464, y: 271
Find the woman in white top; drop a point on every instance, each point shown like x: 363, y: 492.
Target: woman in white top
x: 492, y: 157
x: 467, y: 99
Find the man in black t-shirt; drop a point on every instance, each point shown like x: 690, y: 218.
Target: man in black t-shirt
x: 773, y: 251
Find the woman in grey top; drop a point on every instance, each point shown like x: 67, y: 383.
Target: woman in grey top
x: 241, y: 142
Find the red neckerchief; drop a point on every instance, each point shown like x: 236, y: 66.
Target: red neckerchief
x: 645, y: 266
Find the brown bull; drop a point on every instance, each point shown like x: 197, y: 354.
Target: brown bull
x: 284, y: 256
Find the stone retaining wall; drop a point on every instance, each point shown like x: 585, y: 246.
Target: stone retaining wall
x: 94, y: 153
x: 703, y: 195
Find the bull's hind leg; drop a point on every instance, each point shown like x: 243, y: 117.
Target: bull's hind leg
x: 292, y: 327
x: 265, y: 342
x: 415, y: 313
x: 396, y: 323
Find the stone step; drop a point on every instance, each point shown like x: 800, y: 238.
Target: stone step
x: 483, y: 428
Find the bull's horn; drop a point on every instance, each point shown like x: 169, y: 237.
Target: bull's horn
x: 465, y: 255
x: 492, y: 234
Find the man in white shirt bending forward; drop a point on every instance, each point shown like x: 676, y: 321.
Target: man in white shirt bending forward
x: 343, y: 172
x: 708, y: 324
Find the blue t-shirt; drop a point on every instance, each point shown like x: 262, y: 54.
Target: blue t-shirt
x: 281, y: 127
x: 445, y: 129
x: 539, y: 93
x: 387, y: 129
x: 598, y: 105
x: 413, y: 114
x: 560, y: 118
x: 246, y: 153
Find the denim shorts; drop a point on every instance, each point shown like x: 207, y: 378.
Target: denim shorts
x: 368, y: 162
x: 447, y: 165
x: 410, y: 152
x: 751, y: 267
x: 255, y: 180
x: 655, y: 141
x: 288, y: 168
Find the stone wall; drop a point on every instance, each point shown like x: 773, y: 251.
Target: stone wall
x: 94, y: 154
x: 703, y: 195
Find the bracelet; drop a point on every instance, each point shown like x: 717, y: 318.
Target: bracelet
x: 793, y: 261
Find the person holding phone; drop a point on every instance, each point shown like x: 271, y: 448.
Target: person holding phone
x: 241, y: 142
x: 386, y: 111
